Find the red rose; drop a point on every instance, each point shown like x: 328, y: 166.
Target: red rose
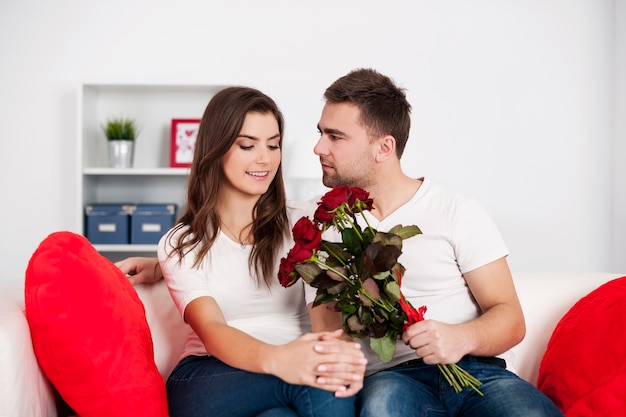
x: 307, y: 239
x: 324, y: 216
x: 299, y: 253
x: 335, y: 197
x: 330, y: 202
x: 305, y: 233
x: 286, y: 274
x: 361, y: 195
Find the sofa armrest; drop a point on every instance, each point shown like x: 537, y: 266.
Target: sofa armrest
x: 545, y: 298
x: 24, y: 390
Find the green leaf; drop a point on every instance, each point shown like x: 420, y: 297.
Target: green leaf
x: 371, y: 288
x: 333, y: 262
x: 337, y: 289
x: 354, y: 323
x: 335, y: 251
x: 378, y: 329
x: 365, y: 314
x: 346, y: 307
x: 383, y: 258
x: 381, y: 314
x: 397, y: 319
x: 368, y: 235
x: 381, y: 275
x: 387, y: 239
x: 392, y: 289
x: 308, y: 271
x: 397, y: 268
x: 121, y: 128
x: 322, y: 298
x: 406, y: 232
x: 352, y: 240
x: 324, y: 282
x: 384, y: 347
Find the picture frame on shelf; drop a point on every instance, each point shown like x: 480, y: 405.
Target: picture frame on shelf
x: 183, y: 141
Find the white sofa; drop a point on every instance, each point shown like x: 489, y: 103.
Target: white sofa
x: 25, y: 391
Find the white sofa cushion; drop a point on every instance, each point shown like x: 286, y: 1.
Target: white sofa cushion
x: 24, y: 390
x: 169, y: 332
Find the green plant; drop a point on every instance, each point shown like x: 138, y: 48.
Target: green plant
x: 121, y: 128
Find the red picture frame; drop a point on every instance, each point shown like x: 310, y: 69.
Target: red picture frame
x: 183, y: 141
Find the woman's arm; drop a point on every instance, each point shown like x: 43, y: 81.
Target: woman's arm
x: 320, y: 360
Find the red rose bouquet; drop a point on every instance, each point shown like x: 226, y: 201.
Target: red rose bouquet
x: 359, y: 276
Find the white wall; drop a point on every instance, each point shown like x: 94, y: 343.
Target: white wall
x: 618, y: 227
x: 512, y: 100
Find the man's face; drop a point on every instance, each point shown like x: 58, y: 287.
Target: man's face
x: 344, y: 147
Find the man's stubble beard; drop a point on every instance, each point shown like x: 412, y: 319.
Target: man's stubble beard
x: 331, y: 181
x: 356, y: 173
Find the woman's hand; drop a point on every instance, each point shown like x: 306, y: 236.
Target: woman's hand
x: 321, y: 360
x: 140, y: 270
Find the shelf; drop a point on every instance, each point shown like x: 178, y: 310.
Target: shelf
x: 125, y: 248
x: 152, y: 106
x: 151, y: 180
x: 137, y: 171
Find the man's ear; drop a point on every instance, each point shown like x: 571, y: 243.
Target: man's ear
x: 386, y: 148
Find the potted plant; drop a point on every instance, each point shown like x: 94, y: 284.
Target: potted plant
x: 121, y: 133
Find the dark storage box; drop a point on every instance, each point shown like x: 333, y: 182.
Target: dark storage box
x: 108, y: 223
x: 151, y: 221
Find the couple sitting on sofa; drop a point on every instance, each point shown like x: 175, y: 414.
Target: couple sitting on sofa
x: 220, y: 266
x: 251, y: 352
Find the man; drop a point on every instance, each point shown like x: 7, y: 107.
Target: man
x: 457, y: 268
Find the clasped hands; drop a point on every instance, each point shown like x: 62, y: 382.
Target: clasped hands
x: 323, y: 360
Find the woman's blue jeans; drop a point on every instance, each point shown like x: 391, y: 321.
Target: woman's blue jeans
x: 416, y: 389
x: 203, y: 386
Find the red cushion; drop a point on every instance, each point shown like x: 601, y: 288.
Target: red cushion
x: 584, y: 368
x: 89, y: 331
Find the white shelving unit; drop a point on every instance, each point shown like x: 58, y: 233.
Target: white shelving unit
x: 151, y: 180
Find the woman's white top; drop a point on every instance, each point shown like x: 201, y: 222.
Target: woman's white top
x: 274, y: 315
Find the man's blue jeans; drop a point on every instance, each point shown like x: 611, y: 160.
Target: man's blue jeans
x: 203, y: 386
x: 416, y: 389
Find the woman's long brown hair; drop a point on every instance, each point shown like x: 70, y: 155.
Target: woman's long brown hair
x: 220, y: 125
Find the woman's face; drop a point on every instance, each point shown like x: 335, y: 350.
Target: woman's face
x: 251, y: 163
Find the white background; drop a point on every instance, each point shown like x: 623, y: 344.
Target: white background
x: 519, y: 103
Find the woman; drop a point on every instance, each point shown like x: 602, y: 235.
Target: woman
x: 247, y: 354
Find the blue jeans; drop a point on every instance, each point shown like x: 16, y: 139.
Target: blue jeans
x: 416, y: 389
x: 204, y: 386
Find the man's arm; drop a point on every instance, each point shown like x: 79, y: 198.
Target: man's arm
x: 140, y: 270
x: 324, y: 319
x: 500, y: 327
